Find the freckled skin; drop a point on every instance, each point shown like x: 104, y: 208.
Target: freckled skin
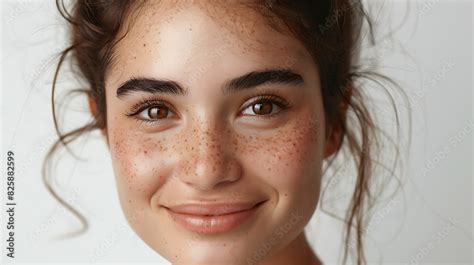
x: 208, y: 151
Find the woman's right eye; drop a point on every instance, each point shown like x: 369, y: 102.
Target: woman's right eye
x: 154, y: 113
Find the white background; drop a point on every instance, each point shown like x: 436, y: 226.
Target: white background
x: 431, y: 58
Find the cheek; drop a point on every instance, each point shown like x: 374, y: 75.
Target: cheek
x: 291, y: 158
x: 136, y: 170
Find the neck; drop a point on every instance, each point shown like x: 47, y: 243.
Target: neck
x: 297, y: 252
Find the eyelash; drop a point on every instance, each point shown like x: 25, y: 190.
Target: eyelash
x: 157, y: 101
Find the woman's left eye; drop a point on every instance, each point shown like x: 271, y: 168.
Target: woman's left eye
x: 265, y: 106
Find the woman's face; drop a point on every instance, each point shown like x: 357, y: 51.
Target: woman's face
x: 190, y: 129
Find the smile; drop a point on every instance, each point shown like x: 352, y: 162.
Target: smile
x: 212, y: 219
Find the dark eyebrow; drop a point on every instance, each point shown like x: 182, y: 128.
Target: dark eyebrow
x: 257, y: 78
x: 150, y: 85
x: 246, y: 81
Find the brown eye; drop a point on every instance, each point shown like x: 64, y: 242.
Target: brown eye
x: 155, y: 113
x: 262, y: 108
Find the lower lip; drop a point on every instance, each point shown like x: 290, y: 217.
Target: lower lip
x: 213, y: 224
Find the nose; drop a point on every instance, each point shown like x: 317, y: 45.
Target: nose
x: 208, y: 160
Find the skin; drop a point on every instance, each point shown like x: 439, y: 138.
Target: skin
x: 206, y: 149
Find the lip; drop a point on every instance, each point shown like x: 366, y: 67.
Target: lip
x: 212, y: 218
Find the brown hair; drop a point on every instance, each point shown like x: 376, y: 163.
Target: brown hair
x: 331, y: 30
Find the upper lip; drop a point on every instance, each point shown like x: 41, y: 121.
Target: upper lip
x: 212, y: 209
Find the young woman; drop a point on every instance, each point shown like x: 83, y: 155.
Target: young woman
x: 219, y: 115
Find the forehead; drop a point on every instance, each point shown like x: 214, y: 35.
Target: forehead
x: 183, y: 40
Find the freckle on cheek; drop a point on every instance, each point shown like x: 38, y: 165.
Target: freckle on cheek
x: 291, y: 144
